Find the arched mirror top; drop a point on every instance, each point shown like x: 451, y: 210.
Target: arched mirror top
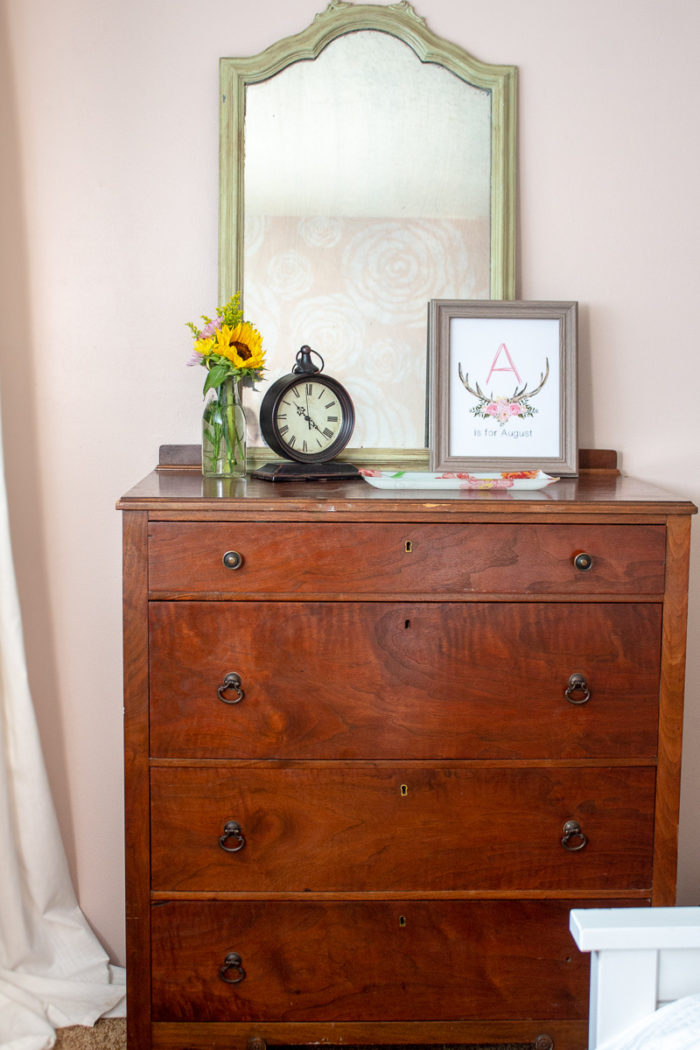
x: 438, y: 172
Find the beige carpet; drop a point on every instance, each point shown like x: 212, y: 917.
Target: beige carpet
x: 110, y: 1034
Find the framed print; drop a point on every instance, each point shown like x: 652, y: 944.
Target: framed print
x: 502, y: 386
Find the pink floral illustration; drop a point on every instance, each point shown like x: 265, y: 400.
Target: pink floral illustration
x: 471, y: 482
x: 502, y: 409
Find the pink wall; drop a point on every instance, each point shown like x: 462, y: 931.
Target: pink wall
x: 108, y: 206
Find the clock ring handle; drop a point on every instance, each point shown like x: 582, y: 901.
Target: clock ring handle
x: 231, y: 681
x: 304, y: 365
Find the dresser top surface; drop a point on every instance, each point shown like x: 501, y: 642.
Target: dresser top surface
x: 184, y: 491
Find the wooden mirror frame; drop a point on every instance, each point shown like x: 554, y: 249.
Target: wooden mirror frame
x: 401, y: 21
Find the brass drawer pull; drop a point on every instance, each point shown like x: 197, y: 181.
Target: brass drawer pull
x: 231, y: 681
x: 232, y: 830
x: 232, y: 560
x: 577, y: 691
x: 573, y: 838
x: 232, y: 964
x: 583, y: 562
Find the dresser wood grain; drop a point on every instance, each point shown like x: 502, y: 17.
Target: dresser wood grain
x: 378, y: 744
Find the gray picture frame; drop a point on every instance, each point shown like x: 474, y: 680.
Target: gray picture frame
x: 494, y: 407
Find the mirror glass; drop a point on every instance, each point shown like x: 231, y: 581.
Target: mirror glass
x: 366, y: 188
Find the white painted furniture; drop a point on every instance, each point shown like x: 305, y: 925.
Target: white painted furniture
x: 641, y: 959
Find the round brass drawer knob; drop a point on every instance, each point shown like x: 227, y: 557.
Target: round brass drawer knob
x: 232, y: 560
x: 583, y: 562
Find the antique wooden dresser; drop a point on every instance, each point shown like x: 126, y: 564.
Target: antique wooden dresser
x: 379, y: 743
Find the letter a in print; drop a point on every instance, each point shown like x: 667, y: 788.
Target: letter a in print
x: 503, y: 349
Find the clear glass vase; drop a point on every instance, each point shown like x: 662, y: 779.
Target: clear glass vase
x: 224, y: 432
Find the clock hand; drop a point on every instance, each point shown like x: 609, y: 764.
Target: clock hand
x: 307, y: 417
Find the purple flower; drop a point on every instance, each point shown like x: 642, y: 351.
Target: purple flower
x: 210, y: 328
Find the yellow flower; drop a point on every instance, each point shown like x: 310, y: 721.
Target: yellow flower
x: 241, y: 345
x: 204, y: 346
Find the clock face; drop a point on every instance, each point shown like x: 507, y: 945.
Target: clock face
x: 308, y: 419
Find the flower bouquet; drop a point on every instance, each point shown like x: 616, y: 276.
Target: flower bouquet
x: 231, y: 350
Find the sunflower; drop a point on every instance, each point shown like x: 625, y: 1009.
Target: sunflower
x: 241, y: 345
x: 228, y: 347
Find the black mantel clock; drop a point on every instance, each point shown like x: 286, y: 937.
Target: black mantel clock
x: 307, y: 418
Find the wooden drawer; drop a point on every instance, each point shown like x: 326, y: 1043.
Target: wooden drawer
x: 399, y: 827
x: 365, y: 961
x: 403, y: 680
x: 386, y: 558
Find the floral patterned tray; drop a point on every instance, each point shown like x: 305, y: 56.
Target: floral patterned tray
x: 403, y: 479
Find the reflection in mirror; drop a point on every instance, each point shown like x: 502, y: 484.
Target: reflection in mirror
x: 356, y: 217
x: 369, y: 188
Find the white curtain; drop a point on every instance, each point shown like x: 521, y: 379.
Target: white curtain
x: 53, y: 971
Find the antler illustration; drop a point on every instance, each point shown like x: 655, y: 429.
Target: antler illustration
x: 478, y: 393
x: 523, y: 395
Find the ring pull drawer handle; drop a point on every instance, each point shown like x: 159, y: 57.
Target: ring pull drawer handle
x: 232, y: 681
x: 573, y: 838
x: 232, y: 830
x: 232, y: 971
x: 583, y: 561
x: 232, y: 560
x: 577, y: 691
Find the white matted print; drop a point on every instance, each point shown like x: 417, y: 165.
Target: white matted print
x: 502, y: 385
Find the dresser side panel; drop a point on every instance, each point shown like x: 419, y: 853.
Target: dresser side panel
x: 136, y: 796
x: 671, y: 711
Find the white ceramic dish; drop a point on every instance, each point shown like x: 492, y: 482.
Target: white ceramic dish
x: 404, y: 479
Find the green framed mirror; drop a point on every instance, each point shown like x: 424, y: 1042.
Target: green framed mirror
x: 366, y: 167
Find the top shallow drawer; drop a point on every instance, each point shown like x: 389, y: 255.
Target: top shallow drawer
x: 386, y: 558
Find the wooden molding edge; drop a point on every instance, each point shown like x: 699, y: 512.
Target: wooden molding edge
x: 189, y: 457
